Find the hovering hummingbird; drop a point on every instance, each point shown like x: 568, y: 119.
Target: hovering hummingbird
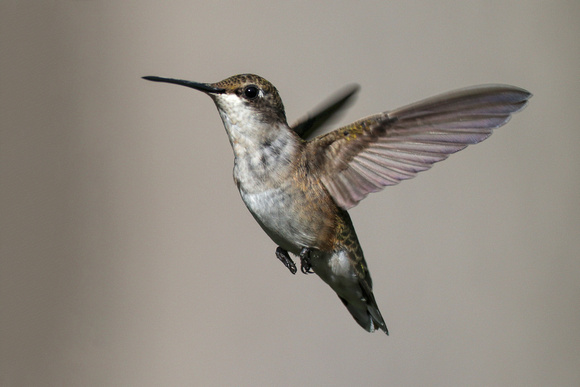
x: 299, y: 190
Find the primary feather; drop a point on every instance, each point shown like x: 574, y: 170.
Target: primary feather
x: 388, y: 147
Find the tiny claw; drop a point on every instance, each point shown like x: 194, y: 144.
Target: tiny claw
x: 305, y: 266
x: 283, y: 256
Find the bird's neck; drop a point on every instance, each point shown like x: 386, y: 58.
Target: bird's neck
x: 264, y: 154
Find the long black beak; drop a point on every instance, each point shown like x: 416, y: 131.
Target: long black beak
x: 194, y: 85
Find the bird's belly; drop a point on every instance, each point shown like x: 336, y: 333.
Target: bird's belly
x: 282, y: 217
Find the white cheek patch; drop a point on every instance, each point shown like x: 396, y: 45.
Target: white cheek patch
x: 235, y: 114
x: 233, y: 106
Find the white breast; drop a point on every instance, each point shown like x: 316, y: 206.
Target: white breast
x: 274, y: 211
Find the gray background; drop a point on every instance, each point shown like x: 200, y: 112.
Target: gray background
x: 129, y: 259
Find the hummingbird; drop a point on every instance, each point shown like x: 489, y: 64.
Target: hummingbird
x: 299, y: 189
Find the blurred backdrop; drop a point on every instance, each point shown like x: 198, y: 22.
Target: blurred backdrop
x: 128, y: 258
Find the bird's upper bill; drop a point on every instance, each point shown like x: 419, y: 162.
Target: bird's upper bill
x: 206, y: 88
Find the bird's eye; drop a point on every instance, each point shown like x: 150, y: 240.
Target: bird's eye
x: 251, y: 92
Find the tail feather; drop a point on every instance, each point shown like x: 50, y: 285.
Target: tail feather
x: 346, y: 272
x: 366, y: 312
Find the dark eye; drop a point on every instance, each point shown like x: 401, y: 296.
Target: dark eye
x: 251, y: 92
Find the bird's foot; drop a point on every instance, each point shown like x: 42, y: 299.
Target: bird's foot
x: 283, y: 256
x: 305, y: 265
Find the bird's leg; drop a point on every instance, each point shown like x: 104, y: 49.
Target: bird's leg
x: 283, y: 256
x: 305, y: 265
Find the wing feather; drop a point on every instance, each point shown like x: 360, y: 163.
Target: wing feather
x: 389, y: 147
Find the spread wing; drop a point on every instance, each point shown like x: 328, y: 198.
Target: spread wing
x: 386, y: 148
x: 314, y: 120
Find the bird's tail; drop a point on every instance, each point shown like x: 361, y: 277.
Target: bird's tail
x: 365, y: 311
x: 352, y: 283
